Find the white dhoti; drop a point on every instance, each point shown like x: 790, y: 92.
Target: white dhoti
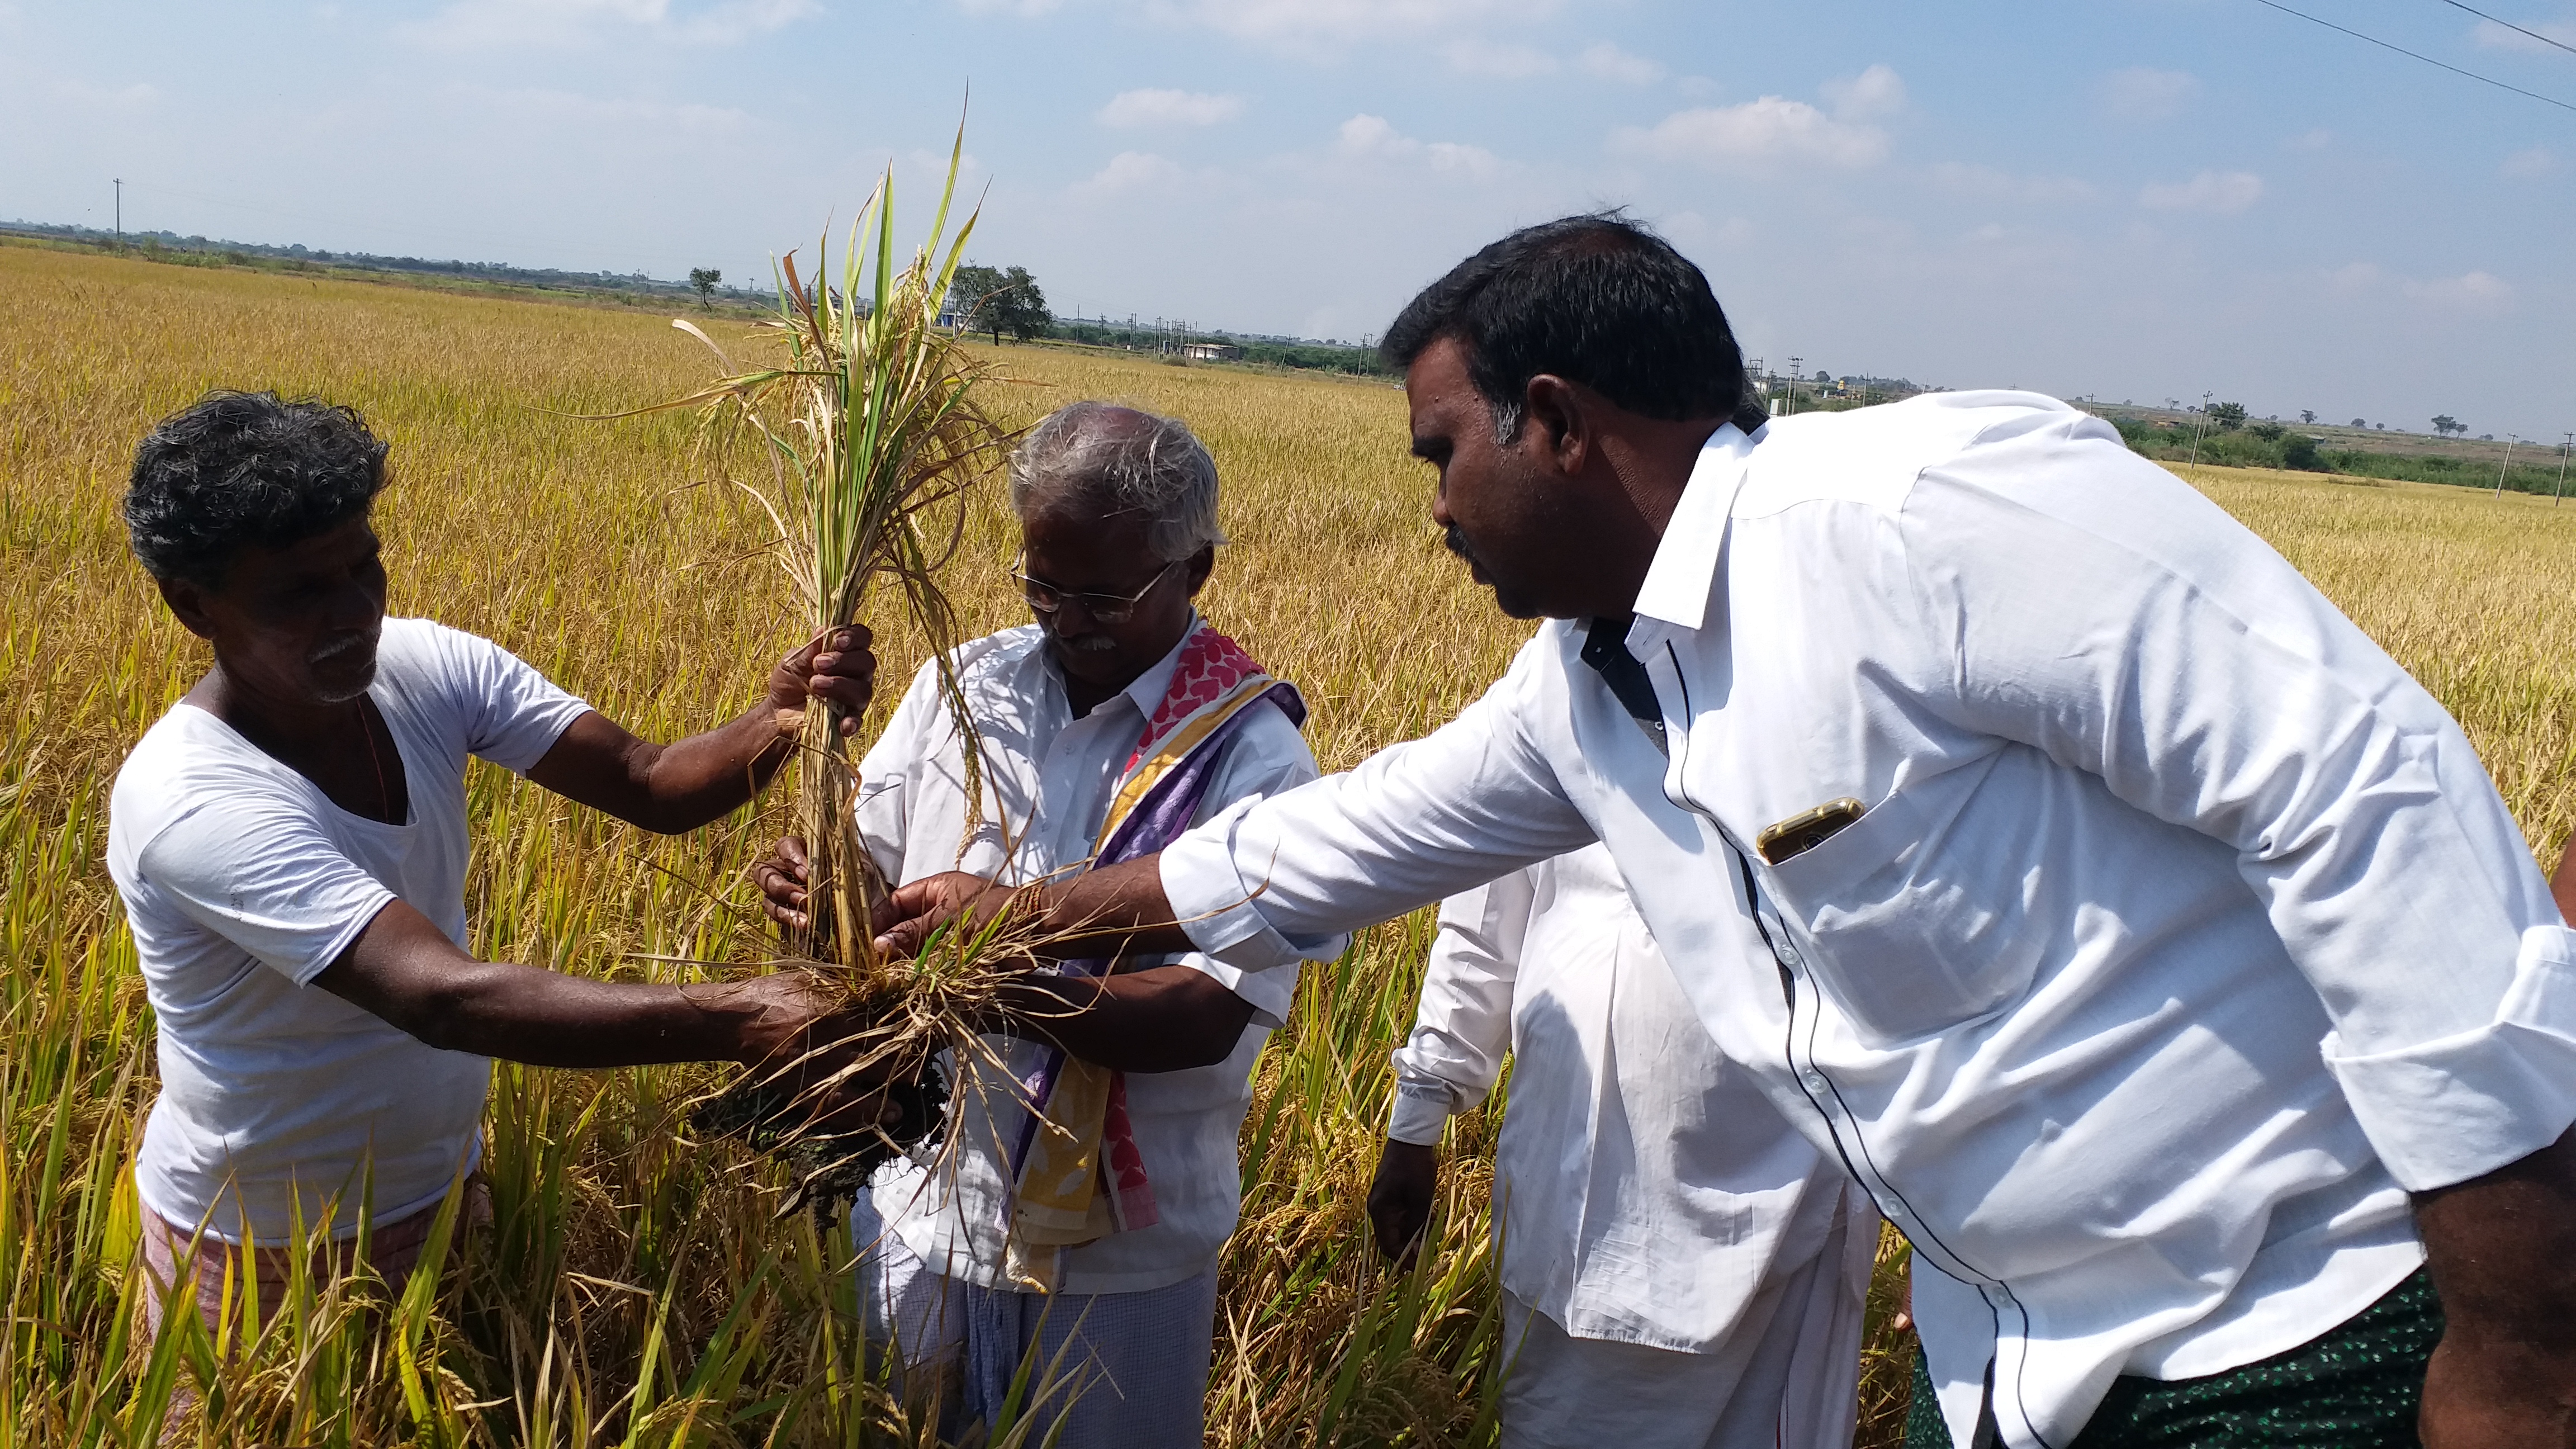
x: 1783, y: 1379
x: 1129, y: 1370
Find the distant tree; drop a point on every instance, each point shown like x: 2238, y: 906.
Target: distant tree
x: 2383, y: 427
x: 2444, y: 425
x: 705, y: 279
x: 2227, y: 415
x: 967, y: 292
x: 993, y: 300
x: 1823, y: 376
x: 2358, y: 423
x: 2308, y: 415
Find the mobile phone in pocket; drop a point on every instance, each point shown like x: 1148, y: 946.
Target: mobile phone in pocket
x: 1806, y: 830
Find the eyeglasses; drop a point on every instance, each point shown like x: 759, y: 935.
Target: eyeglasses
x: 1046, y: 598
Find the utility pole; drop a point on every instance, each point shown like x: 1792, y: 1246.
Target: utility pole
x: 2509, y: 441
x: 2196, y: 431
x: 120, y: 212
x: 1794, y: 363
x: 2563, y: 450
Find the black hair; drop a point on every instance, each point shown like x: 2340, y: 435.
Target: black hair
x: 1594, y: 299
x: 246, y: 470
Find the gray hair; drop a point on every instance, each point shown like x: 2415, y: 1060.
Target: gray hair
x: 1099, y: 459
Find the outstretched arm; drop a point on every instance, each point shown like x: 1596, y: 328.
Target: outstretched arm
x: 1108, y: 910
x: 681, y: 786
x: 2562, y: 886
x: 405, y: 970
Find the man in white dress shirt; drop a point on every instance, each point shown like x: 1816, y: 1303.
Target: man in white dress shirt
x: 1118, y: 515
x: 2151, y: 947
x: 1681, y: 1269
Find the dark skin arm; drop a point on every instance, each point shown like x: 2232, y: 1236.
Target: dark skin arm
x: 679, y: 787
x: 1399, y: 1199
x: 405, y: 970
x: 1108, y: 908
x: 1144, y: 1019
x: 2562, y: 886
x: 2502, y: 1249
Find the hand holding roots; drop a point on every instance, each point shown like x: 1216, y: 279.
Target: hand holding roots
x: 842, y: 1099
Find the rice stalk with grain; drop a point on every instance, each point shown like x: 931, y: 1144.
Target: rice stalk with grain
x: 868, y: 438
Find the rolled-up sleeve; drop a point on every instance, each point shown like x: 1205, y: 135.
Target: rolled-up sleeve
x: 1464, y: 1023
x: 1282, y: 878
x: 2108, y: 615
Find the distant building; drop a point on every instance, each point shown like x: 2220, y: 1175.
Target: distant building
x: 1210, y: 352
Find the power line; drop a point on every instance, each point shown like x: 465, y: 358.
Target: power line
x: 2509, y: 25
x: 2413, y: 55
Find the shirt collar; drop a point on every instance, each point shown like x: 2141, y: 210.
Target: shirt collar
x: 1684, y: 571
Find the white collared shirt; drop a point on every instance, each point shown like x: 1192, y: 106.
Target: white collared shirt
x: 1048, y: 780
x: 1644, y: 1188
x: 2183, y: 934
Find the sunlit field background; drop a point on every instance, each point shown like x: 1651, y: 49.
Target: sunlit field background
x: 633, y: 1286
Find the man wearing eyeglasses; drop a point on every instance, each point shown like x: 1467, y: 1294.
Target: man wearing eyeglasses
x: 1090, y: 1179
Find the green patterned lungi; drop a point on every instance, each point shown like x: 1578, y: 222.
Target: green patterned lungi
x: 2356, y: 1387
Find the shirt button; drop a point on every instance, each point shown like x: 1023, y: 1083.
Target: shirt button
x: 1788, y: 955
x: 1816, y: 1081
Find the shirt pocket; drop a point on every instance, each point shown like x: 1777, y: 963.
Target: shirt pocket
x: 1905, y: 920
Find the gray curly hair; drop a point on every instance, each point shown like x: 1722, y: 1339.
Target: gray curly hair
x: 1099, y: 459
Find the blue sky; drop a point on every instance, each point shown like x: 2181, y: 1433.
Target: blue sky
x: 2128, y: 198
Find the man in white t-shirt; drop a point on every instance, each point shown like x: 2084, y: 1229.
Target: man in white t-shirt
x: 1090, y: 1242
x: 1681, y: 1268
x: 290, y: 845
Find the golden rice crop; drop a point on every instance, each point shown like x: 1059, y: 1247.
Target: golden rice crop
x: 632, y: 1286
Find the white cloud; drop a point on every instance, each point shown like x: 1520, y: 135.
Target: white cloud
x: 1128, y: 173
x: 1755, y: 135
x: 2480, y: 292
x: 1966, y: 180
x: 2142, y: 93
x: 2475, y: 292
x: 1169, y: 108
x: 1323, y: 26
x: 2505, y: 37
x: 2535, y: 162
x: 1503, y: 62
x: 550, y: 24
x: 1608, y: 62
x: 1373, y: 137
x: 2316, y: 140
x: 1874, y: 94
x: 2222, y: 193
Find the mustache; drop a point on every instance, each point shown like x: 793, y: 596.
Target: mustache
x: 342, y: 647
x: 1456, y: 540
x: 1084, y: 643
